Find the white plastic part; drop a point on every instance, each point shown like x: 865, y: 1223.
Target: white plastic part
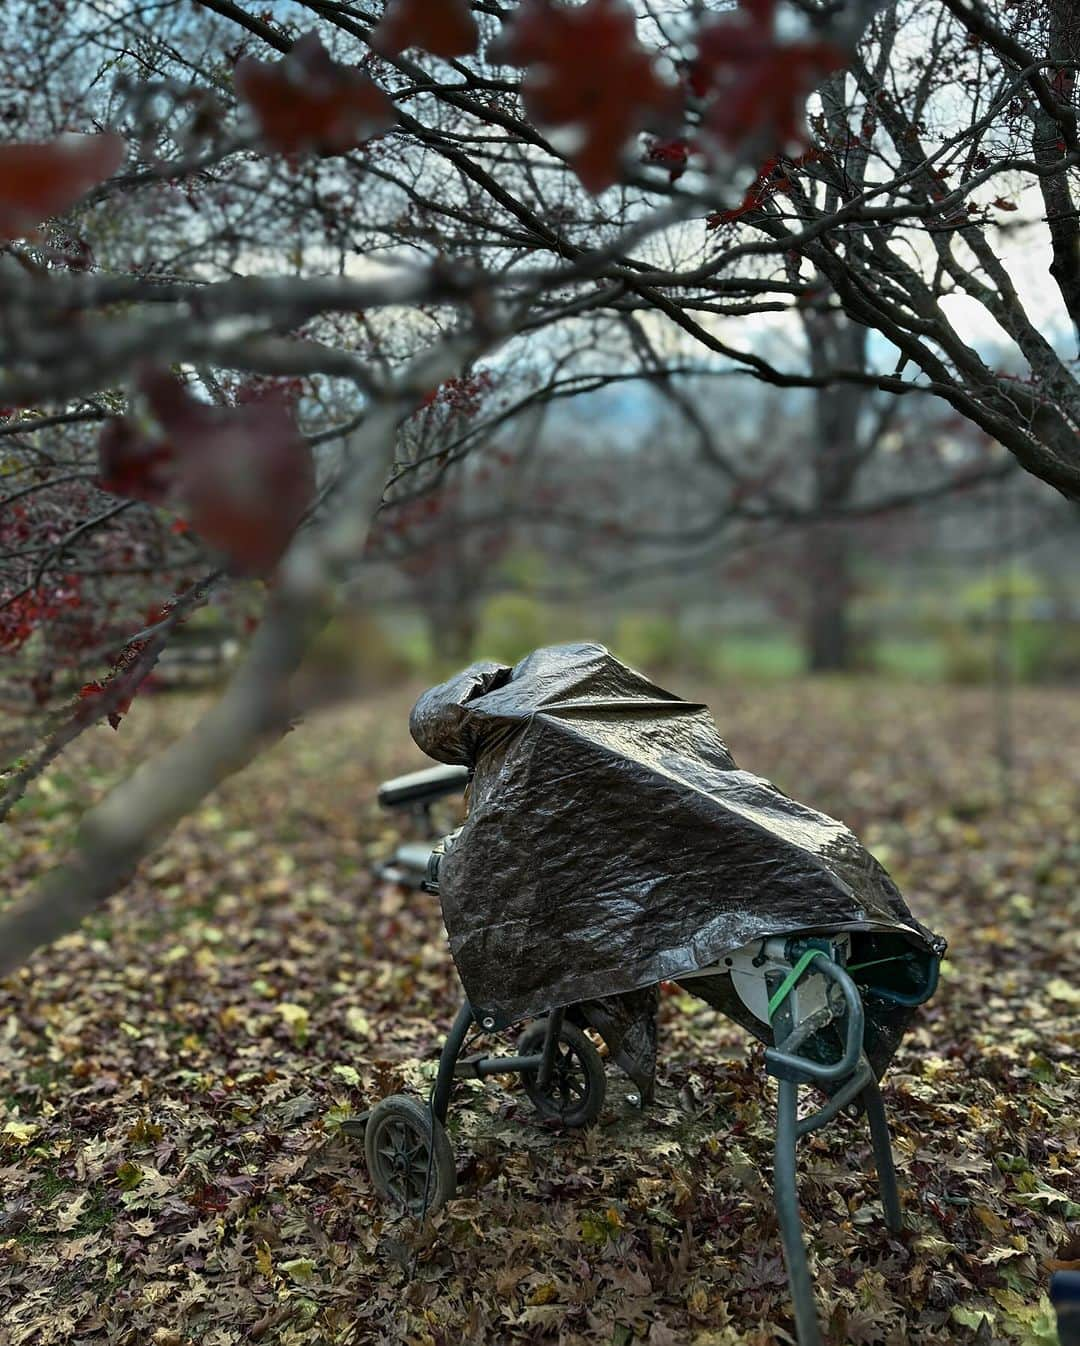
x: 758, y: 968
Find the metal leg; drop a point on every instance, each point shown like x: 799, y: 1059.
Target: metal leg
x: 551, y: 1044
x: 879, y: 1134
x: 444, y: 1081
x: 787, y: 1210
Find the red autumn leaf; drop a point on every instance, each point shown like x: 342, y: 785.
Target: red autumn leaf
x: 586, y: 73
x: 308, y: 101
x: 21, y: 615
x: 40, y: 180
x: 757, y: 85
x: 1002, y: 203
x: 243, y: 475
x: 443, y: 27
x: 670, y: 154
x: 92, y: 691
x: 771, y: 180
x: 132, y: 465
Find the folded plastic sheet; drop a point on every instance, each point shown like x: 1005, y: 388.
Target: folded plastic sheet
x: 613, y: 843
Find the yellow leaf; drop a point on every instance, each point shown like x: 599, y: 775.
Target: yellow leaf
x: 296, y: 1018
x: 21, y: 1133
x: 544, y: 1294
x: 301, y: 1269
x: 232, y: 1016
x: 264, y: 1261
x: 698, y: 1302
x: 989, y: 1220
x: 1057, y: 988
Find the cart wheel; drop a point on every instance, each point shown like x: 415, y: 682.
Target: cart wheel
x: 575, y: 1093
x: 403, y: 1142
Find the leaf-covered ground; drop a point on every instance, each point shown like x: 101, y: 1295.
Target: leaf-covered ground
x: 172, y: 1077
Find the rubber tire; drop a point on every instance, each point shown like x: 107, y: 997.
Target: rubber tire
x: 592, y: 1066
x: 416, y: 1124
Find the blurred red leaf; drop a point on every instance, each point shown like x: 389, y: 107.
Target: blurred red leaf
x: 1003, y: 203
x: 92, y: 691
x: 133, y: 465
x: 757, y: 85
x: 243, y: 475
x: 771, y: 180
x: 308, y: 101
x: 586, y: 72
x: 40, y: 180
x: 443, y: 27
x: 672, y: 154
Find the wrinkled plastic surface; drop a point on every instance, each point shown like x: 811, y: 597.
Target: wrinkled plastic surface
x: 613, y: 843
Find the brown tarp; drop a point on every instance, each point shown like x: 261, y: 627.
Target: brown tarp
x: 612, y: 843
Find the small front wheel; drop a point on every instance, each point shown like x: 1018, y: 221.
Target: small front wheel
x: 575, y: 1093
x: 407, y: 1152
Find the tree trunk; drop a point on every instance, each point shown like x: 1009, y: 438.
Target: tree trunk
x: 838, y: 454
x: 453, y: 632
x: 828, y: 636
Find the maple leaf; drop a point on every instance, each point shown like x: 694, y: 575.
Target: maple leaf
x: 132, y: 465
x: 587, y: 74
x: 671, y: 154
x: 443, y: 27
x: 770, y: 180
x: 243, y: 475
x: 308, y: 101
x: 756, y: 85
x: 44, y: 179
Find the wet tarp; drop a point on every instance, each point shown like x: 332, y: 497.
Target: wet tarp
x: 613, y: 843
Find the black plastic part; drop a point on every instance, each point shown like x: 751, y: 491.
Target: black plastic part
x: 407, y: 1149
x: 1065, y: 1297
x: 444, y: 1081
x: 423, y: 787
x: 574, y: 1092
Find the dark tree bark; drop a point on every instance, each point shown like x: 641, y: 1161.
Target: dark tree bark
x: 1049, y: 149
x: 452, y: 628
x: 837, y: 455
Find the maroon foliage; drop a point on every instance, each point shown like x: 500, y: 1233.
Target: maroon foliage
x: 586, y: 72
x: 443, y: 27
x: 40, y: 180
x: 308, y: 101
x: 757, y: 85
x: 23, y: 613
x: 242, y: 475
